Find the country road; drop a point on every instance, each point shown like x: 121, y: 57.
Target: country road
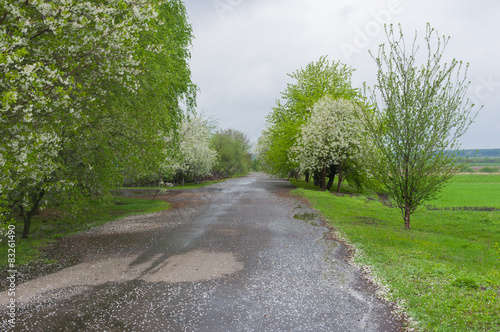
x: 228, y: 257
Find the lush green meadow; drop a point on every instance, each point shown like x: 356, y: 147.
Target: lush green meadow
x: 445, y: 272
x: 470, y: 190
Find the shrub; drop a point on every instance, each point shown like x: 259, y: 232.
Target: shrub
x: 489, y: 170
x: 466, y: 169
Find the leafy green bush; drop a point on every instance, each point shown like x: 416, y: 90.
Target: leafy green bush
x: 489, y: 170
x: 466, y: 169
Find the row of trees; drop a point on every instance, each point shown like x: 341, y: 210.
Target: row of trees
x: 90, y: 93
x: 206, y: 152
x: 314, y: 129
x: 401, y: 139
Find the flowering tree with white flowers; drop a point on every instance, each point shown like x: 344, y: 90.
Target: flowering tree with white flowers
x: 310, y: 84
x: 66, y: 69
x: 334, y: 137
x: 195, y: 157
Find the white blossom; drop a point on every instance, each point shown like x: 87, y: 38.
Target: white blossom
x: 333, y: 134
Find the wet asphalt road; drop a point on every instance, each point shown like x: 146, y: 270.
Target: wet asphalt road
x: 254, y: 267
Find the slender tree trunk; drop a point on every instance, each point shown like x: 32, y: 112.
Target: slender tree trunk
x: 27, y: 215
x: 407, y: 215
x: 341, y: 174
x: 307, y: 177
x: 323, y: 178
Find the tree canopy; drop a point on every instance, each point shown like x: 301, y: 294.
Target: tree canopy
x: 285, y: 147
x: 292, y: 111
x: 334, y: 137
x: 419, y: 115
x: 87, y: 91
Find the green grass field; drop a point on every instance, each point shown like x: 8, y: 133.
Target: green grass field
x: 445, y: 272
x: 471, y: 190
x: 49, y: 226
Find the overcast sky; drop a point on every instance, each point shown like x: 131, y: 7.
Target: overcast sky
x: 243, y: 50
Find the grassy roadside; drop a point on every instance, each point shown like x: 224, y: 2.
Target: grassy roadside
x: 49, y: 226
x: 445, y: 272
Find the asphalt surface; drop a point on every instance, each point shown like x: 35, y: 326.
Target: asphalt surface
x: 229, y: 257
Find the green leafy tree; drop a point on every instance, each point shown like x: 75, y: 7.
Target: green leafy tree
x: 292, y: 111
x: 232, y: 147
x: 68, y: 72
x: 421, y: 113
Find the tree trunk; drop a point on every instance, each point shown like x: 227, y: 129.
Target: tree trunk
x: 26, y: 228
x: 316, y: 179
x: 331, y: 177
x: 37, y: 197
x: 407, y: 215
x: 307, y: 177
x: 340, y: 178
x: 323, y: 178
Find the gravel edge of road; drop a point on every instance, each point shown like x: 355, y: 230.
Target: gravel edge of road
x: 347, y: 252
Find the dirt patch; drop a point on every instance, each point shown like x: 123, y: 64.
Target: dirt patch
x: 285, y: 193
x: 195, y: 265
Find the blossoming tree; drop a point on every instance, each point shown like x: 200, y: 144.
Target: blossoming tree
x: 334, y: 137
x: 195, y: 156
x: 316, y: 80
x: 65, y: 69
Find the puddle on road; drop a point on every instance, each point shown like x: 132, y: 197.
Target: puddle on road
x: 196, y: 265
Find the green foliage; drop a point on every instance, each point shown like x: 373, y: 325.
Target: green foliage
x: 232, y: 148
x: 292, y: 111
x: 256, y: 165
x: 465, y: 168
x: 421, y: 114
x: 90, y: 98
x: 489, y: 170
x: 445, y: 273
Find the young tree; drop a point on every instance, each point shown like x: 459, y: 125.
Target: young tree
x: 334, y: 137
x: 421, y: 114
